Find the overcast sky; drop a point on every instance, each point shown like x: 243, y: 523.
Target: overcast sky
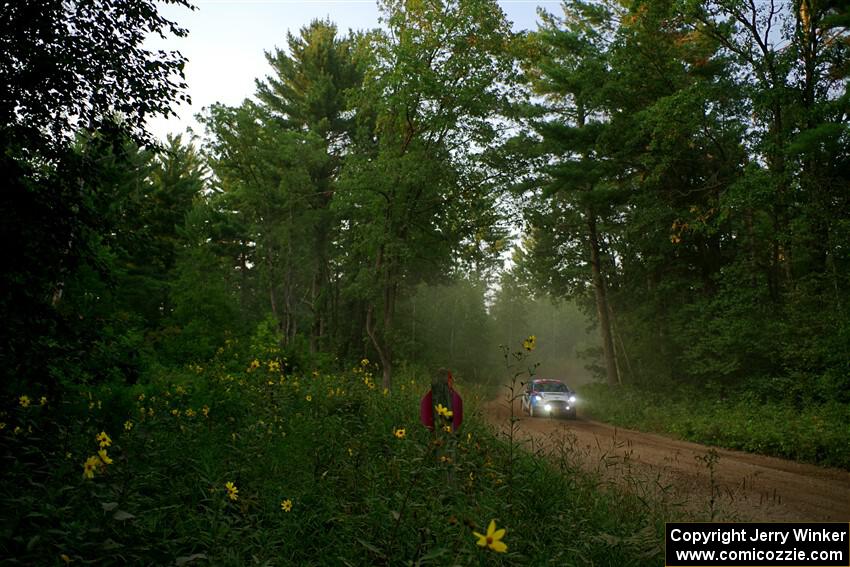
x: 227, y: 39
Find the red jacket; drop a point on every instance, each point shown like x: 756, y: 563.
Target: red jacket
x: 426, y: 410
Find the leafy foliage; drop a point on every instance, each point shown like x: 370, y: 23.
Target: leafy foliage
x: 772, y: 418
x: 241, y: 461
x: 689, y: 182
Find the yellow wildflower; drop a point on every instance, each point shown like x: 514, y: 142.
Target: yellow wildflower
x: 142, y: 397
x: 364, y: 362
x: 43, y: 400
x: 530, y: 343
x: 175, y: 412
x: 2, y: 425
x: 103, y: 439
x: 493, y: 538
x: 447, y: 428
x: 17, y: 430
x: 309, y: 398
x: 254, y: 365
x: 443, y: 411
x: 128, y: 425
x: 190, y: 412
x: 232, y: 491
x: 65, y: 558
x: 104, y: 457
x: 205, y: 410
x: 89, y: 466
x: 286, y: 505
x: 24, y: 401
x: 399, y: 433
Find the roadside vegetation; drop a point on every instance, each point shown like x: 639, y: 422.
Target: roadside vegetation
x: 786, y: 423
x: 243, y: 460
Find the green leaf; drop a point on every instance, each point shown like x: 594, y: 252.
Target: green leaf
x: 371, y: 548
x: 121, y: 516
x: 189, y: 558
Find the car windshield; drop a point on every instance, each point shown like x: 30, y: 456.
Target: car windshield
x: 550, y: 387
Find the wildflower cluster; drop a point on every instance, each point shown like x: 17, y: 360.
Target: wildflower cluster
x: 24, y: 401
x: 443, y: 411
x: 447, y: 415
x: 102, y: 459
x: 363, y: 369
x: 530, y: 343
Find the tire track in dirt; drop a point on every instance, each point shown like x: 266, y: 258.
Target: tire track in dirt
x: 744, y: 486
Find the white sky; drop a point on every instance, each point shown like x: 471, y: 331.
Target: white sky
x: 227, y: 39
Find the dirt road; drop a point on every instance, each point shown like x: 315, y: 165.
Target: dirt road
x: 737, y: 486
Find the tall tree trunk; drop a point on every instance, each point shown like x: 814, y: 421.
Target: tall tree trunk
x: 315, y: 330
x: 601, y: 302
x: 389, y: 316
x: 379, y: 339
x: 318, y: 292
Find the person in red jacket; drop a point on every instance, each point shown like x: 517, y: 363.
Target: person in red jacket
x: 443, y: 394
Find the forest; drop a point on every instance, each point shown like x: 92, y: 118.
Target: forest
x: 657, y: 191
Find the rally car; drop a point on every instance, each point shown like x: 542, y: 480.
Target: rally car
x: 544, y: 397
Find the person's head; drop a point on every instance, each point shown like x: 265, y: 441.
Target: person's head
x: 446, y: 375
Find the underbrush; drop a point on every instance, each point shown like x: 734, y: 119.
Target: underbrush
x: 250, y: 465
x: 813, y: 433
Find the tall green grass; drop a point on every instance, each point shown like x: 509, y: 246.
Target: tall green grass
x: 361, y: 492
x: 813, y: 433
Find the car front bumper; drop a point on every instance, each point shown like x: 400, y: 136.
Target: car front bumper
x: 555, y: 408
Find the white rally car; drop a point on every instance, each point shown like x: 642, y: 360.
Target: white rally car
x: 548, y: 398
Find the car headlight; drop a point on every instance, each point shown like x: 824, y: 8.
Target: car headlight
x: 572, y: 399
x: 548, y: 407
